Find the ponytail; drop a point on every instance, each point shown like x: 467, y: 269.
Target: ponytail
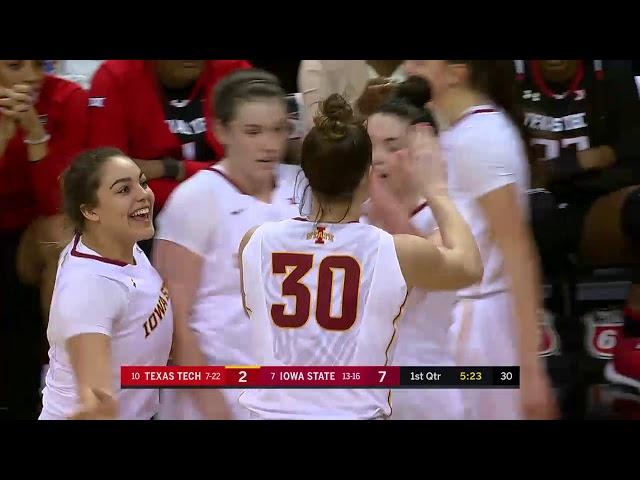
x: 497, y: 79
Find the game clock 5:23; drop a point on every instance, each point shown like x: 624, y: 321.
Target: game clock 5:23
x: 470, y: 376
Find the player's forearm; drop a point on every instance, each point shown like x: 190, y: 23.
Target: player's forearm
x: 522, y: 270
x: 186, y: 349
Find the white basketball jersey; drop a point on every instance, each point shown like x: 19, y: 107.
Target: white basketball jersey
x: 226, y: 213
x: 423, y: 334
x: 484, y: 152
x: 129, y: 303
x: 326, y: 294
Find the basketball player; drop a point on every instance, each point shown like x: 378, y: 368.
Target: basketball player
x: 584, y: 121
x: 201, y: 227
x: 110, y: 307
x: 495, y: 321
x: 328, y: 290
x: 399, y: 206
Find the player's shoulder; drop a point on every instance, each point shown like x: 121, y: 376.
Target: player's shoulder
x: 253, y: 237
x: 87, y: 291
x: 77, y: 261
x: 188, y: 202
x: 274, y: 227
x: 364, y: 229
x: 489, y: 120
x: 490, y: 131
x: 88, y: 278
x: 198, y: 187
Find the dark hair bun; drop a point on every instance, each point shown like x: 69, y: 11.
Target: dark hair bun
x: 334, y: 117
x: 415, y: 90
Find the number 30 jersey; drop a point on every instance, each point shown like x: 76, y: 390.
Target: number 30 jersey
x: 321, y: 295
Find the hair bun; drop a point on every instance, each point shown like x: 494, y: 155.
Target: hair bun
x: 414, y: 90
x: 334, y: 117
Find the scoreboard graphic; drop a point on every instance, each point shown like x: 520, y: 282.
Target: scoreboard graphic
x: 319, y: 377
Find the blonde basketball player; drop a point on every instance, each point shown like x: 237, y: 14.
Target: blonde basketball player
x: 397, y: 206
x: 328, y: 290
x: 110, y: 307
x: 495, y: 321
x: 201, y: 226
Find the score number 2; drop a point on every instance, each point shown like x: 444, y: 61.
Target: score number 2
x: 552, y: 147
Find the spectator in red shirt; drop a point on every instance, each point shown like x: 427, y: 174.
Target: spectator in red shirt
x: 155, y: 112
x: 42, y: 127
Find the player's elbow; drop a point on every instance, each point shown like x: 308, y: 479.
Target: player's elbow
x: 471, y: 269
x: 474, y: 271
x: 462, y: 275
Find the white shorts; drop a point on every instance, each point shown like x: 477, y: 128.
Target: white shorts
x: 181, y: 404
x: 484, y: 333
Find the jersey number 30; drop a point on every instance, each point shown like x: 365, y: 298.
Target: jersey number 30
x: 292, y: 286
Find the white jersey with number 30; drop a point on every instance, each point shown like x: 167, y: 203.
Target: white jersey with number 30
x: 321, y: 295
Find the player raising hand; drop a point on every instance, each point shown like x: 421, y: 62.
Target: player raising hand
x: 397, y: 204
x: 324, y: 289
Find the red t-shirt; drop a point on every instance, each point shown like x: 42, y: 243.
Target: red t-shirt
x: 127, y: 111
x: 30, y: 189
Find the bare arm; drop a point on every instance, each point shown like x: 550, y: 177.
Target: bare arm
x: 511, y: 233
x: 243, y: 243
x: 454, y: 264
x: 182, y: 271
x: 87, y: 307
x: 90, y: 355
x: 457, y: 262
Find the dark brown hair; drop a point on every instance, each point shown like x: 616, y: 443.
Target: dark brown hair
x: 497, y: 79
x: 336, y: 153
x: 243, y: 85
x: 81, y: 180
x: 408, y: 102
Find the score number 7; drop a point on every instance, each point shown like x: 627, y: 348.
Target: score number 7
x: 552, y: 147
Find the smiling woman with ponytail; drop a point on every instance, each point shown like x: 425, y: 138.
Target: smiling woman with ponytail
x: 495, y: 321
